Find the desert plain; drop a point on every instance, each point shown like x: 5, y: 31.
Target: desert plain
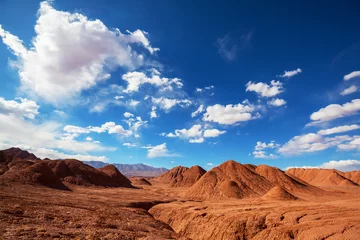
x: 67, y: 199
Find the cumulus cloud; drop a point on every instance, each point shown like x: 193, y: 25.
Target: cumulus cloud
x: 229, y: 114
x: 159, y: 151
x: 54, y: 154
x: 128, y: 115
x: 75, y: 129
x: 195, y: 134
x: 71, y: 53
x: 263, y: 145
x: 354, y: 144
x: 277, y: 102
x: 153, y: 113
x: 132, y: 103
x: 135, y: 123
x: 265, y: 90
x: 263, y: 155
x: 259, y: 150
x: 129, y: 145
x: 313, y: 142
x: 47, y: 136
x: 335, y: 111
x: 136, y: 79
x: 342, y: 165
x: 349, y: 90
x: 338, y: 129
x: 21, y: 108
x: 168, y: 103
x: 197, y: 140
x: 289, y: 74
x: 109, y: 127
x: 352, y: 75
x: 198, y: 111
x: 208, y: 133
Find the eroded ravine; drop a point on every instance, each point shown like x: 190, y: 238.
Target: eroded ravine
x: 208, y: 220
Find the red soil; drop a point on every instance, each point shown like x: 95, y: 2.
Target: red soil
x: 280, y: 194
x: 188, y: 177
x: 229, y: 180
x: 322, y: 177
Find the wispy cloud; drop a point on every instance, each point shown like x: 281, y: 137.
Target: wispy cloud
x: 232, y: 43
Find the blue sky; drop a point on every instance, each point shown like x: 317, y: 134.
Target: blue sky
x: 182, y: 83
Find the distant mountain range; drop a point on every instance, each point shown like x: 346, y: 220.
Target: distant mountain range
x: 131, y: 170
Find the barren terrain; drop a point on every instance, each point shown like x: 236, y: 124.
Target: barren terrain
x: 46, y: 199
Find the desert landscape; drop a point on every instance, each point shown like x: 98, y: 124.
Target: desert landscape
x: 189, y: 120
x: 67, y: 199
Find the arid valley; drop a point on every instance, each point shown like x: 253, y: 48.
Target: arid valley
x: 66, y: 199
x: 179, y: 119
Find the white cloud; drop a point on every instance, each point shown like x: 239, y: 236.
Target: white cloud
x: 195, y: 134
x: 135, y: 123
x: 304, y: 143
x: 153, y: 113
x: 119, y: 97
x: 352, y: 145
x: 19, y: 132
x: 349, y: 90
x: 263, y: 145
x: 110, y: 127
x: 278, y: 102
x: 197, y: 140
x: 335, y: 111
x: 136, y: 79
x: 210, y: 164
x: 71, y: 53
x: 24, y: 108
x: 342, y: 165
x: 129, y: 145
x: 205, y: 88
x: 313, y: 142
x: 75, y: 129
x: 339, y: 129
x: 54, y: 154
x: 213, y: 133
x: 139, y: 37
x: 128, y: 115
x: 159, y: 151
x: 229, y: 114
x: 132, y: 103
x: 352, y: 75
x: 262, y: 154
x: 198, y: 111
x: 88, y: 139
x: 265, y: 90
x: 167, y: 103
x: 289, y: 74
